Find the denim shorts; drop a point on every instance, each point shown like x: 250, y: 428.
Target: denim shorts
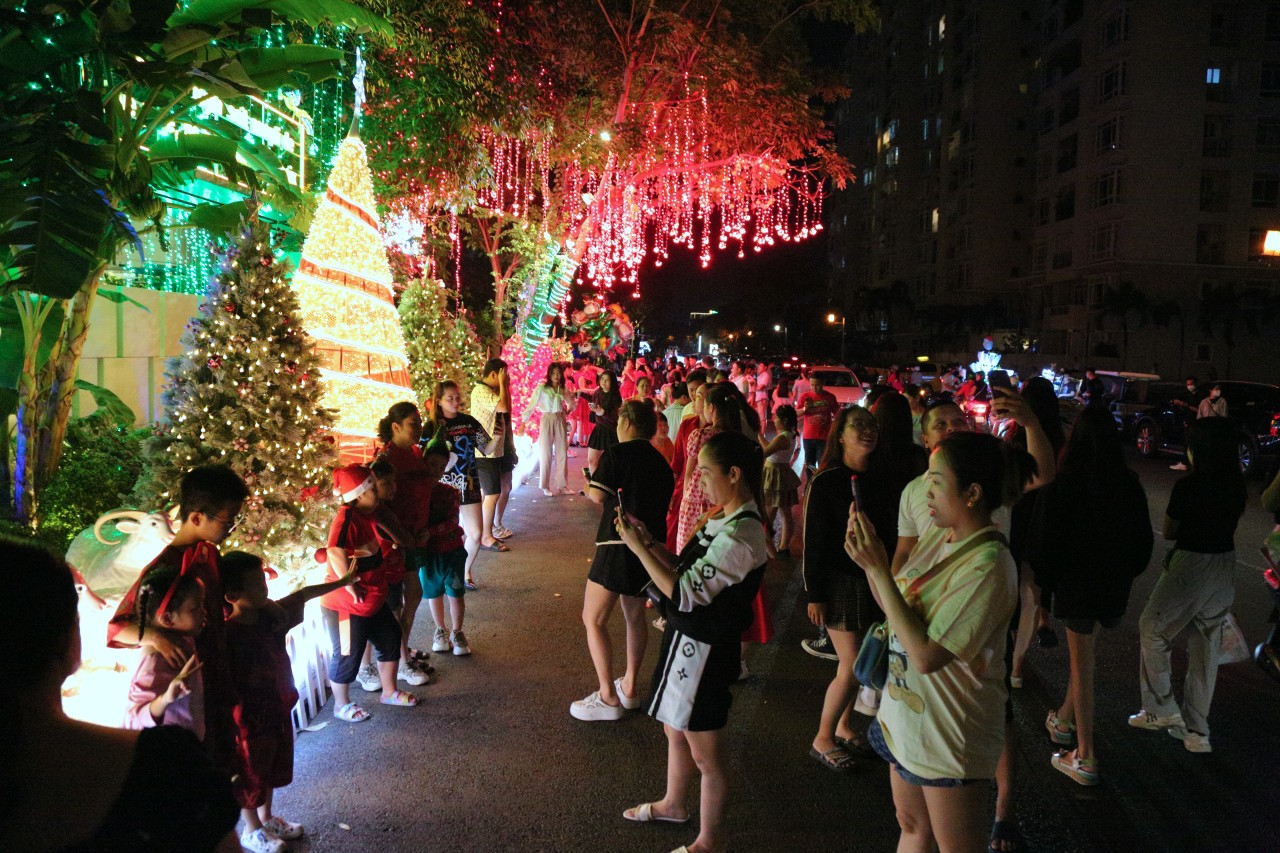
x: 876, y: 737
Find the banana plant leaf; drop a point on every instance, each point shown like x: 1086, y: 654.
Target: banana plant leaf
x: 273, y: 67
x: 312, y: 12
x: 187, y: 151
x: 218, y: 218
x: 108, y: 403
x: 12, y: 343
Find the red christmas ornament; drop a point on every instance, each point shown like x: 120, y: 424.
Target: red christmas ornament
x: 290, y: 367
x: 229, y: 307
x: 215, y: 362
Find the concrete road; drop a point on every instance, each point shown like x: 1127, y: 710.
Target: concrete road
x: 492, y: 761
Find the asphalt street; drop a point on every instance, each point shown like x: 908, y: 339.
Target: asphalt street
x: 492, y: 761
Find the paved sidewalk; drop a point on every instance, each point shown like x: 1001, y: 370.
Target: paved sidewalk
x: 492, y: 761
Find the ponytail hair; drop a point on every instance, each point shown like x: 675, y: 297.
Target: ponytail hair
x: 397, y: 413
x: 786, y: 414
x: 723, y: 400
x: 161, y: 582
x: 1001, y: 470
x: 731, y: 449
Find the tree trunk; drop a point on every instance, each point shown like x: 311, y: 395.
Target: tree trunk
x: 29, y: 406
x: 64, y: 365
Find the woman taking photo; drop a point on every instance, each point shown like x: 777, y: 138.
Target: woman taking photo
x: 941, y: 719
x: 707, y: 594
x: 76, y: 787
x: 605, y: 403
x: 839, y: 596
x: 553, y: 436
x: 1092, y: 536
x: 465, y: 436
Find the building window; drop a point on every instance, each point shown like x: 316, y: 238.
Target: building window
x: 1067, y: 153
x: 1217, y: 136
x: 1069, y: 106
x: 1062, y: 252
x: 1266, y: 189
x: 1223, y: 29
x: 1045, y: 122
x: 1270, y: 85
x: 1107, y: 188
x: 942, y: 27
x: 964, y: 274
x: 1044, y: 210
x: 1257, y: 243
x: 1044, y: 165
x: 1039, y: 254
x: 1108, y: 136
x: 1271, y: 26
x: 1064, y: 204
x: 1210, y: 248
x: 933, y: 221
x: 1213, y: 75
x: 868, y: 177
x: 1111, y: 82
x: 924, y: 129
x: 1215, y: 190
x: 1268, y: 135
x: 1115, y: 29
x: 891, y: 156
x: 1103, y: 241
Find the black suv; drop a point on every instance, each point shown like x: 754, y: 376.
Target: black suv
x: 1254, y: 406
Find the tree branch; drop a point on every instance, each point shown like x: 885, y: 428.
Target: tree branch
x: 622, y: 44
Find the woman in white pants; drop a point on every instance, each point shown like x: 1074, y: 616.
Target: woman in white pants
x: 553, y: 435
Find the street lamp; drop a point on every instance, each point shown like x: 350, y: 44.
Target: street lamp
x: 782, y: 327
x: 833, y: 320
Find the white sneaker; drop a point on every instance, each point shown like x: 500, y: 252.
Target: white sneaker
x: 368, y: 679
x: 1193, y: 741
x: 281, y: 828
x: 440, y: 640
x: 868, y: 701
x: 1155, y: 722
x: 593, y: 709
x: 1178, y: 466
x: 460, y: 645
x: 260, y: 841
x: 411, y: 675
x: 630, y: 703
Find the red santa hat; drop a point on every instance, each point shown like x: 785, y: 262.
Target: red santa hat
x: 351, y: 481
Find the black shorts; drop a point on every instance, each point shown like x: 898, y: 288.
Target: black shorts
x: 395, y: 595
x: 688, y: 700
x: 490, y: 471
x: 616, y: 569
x: 381, y: 629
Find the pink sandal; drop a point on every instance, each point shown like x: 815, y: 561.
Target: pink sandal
x: 400, y: 699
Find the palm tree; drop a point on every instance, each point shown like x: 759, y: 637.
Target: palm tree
x: 1124, y: 300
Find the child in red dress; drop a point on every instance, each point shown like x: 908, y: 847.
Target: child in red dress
x: 263, y: 676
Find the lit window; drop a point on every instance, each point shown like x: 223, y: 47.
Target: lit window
x: 933, y: 224
x: 1213, y: 76
x: 924, y: 129
x: 942, y: 27
x: 868, y: 176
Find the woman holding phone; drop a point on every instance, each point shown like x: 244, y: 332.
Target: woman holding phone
x: 839, y: 597
x: 706, y: 593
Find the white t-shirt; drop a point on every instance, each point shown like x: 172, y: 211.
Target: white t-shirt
x: 913, y: 511
x: 949, y: 724
x: 549, y: 400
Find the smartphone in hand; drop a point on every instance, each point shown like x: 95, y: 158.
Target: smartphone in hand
x: 857, y: 493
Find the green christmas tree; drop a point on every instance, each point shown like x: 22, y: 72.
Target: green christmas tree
x: 441, y: 344
x: 246, y: 393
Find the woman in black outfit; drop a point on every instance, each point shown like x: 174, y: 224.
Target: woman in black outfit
x: 1091, y: 536
x: 76, y: 787
x: 605, y: 403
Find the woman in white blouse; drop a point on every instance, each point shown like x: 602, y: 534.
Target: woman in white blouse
x: 553, y: 436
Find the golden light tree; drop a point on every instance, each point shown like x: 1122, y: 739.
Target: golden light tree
x: 347, y: 305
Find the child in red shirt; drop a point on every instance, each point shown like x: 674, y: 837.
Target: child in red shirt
x: 359, y: 613
x: 263, y: 675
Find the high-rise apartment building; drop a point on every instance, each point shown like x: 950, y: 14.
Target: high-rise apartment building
x: 1083, y: 171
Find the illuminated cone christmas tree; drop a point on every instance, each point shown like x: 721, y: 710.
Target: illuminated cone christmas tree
x: 344, y: 291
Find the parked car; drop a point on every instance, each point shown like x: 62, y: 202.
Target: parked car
x: 1128, y: 395
x: 842, y: 382
x: 1253, y: 406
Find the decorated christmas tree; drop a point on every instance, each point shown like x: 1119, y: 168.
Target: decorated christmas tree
x: 441, y: 344
x: 246, y: 393
x: 346, y: 300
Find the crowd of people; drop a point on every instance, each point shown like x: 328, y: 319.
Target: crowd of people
x: 941, y: 550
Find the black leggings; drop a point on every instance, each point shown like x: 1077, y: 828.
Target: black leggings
x: 381, y: 629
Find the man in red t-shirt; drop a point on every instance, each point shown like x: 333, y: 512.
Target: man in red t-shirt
x: 819, y: 408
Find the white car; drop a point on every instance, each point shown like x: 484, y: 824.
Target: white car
x: 842, y: 382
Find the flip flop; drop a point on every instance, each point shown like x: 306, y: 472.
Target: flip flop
x: 856, y: 747
x: 496, y: 546
x: 351, y: 713
x: 470, y: 585
x: 502, y: 533
x: 400, y: 699
x: 643, y: 813
x: 835, y: 759
x: 1006, y: 831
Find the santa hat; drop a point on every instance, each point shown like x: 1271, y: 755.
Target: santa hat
x: 351, y: 481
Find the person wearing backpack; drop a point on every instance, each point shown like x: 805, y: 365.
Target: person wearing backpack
x: 1091, y: 537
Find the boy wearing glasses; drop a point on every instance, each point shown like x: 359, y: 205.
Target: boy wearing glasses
x: 210, y: 500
